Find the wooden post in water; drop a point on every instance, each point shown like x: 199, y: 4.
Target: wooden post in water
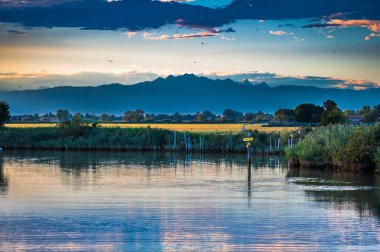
x: 249, y: 164
x: 185, y: 140
x: 270, y: 142
x: 175, y: 141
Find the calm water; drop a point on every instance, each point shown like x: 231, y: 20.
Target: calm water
x: 152, y: 202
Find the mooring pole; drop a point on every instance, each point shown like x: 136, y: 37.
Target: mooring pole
x: 249, y: 140
x: 249, y: 163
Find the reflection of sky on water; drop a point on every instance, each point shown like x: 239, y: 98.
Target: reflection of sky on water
x: 81, y: 201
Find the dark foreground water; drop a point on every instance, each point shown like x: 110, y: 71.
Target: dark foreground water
x: 161, y: 202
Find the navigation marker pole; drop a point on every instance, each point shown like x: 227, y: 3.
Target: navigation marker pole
x: 249, y: 139
x: 249, y: 164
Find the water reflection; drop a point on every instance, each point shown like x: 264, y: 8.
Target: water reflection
x: 104, y: 201
x: 3, y: 178
x: 359, y: 192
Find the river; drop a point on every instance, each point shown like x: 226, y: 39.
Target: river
x: 102, y: 201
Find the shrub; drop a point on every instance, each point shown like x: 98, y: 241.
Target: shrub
x: 359, y: 151
x: 324, y: 144
x: 340, y: 145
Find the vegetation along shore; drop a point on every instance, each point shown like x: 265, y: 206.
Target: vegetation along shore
x: 333, y: 143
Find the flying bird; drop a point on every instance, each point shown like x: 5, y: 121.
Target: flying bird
x: 110, y: 61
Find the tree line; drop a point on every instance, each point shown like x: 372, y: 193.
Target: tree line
x: 140, y: 116
x: 328, y: 113
x: 309, y: 113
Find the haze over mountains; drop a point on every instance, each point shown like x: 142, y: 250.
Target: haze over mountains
x: 185, y: 94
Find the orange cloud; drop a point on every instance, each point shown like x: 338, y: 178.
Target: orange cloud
x: 372, y: 25
x: 130, y: 34
x: 372, y: 36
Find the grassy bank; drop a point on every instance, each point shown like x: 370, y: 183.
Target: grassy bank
x: 135, y: 139
x: 344, y: 147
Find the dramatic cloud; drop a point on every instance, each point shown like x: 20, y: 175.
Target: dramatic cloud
x: 135, y: 15
x: 372, y: 25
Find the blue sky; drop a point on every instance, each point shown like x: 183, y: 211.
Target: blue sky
x: 81, y: 42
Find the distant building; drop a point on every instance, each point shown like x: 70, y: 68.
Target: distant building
x: 355, y: 119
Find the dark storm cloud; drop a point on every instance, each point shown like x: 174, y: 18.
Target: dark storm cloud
x: 146, y: 14
x: 320, y: 25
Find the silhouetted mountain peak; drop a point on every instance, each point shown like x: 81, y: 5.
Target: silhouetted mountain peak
x: 184, y: 93
x: 247, y: 83
x: 262, y: 85
x: 182, y: 77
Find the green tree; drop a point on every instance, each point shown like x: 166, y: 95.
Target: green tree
x: 62, y: 115
x: 248, y: 117
x: 209, y: 116
x: 333, y: 114
x: 285, y: 115
x: 373, y: 115
x: 232, y: 115
x: 4, y: 113
x: 200, y: 117
x: 77, y: 119
x: 134, y: 116
x: 365, y: 110
x: 105, y: 118
x: 308, y: 113
x: 330, y: 105
x: 350, y: 112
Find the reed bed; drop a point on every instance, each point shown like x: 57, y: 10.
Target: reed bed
x: 137, y: 139
x: 340, y: 146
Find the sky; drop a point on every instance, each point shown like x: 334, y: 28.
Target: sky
x: 324, y: 43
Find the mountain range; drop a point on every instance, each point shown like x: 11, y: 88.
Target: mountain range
x: 184, y: 94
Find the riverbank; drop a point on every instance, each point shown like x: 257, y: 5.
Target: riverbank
x: 340, y: 147
x: 138, y: 139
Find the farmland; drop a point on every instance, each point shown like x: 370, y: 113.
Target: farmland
x: 189, y: 127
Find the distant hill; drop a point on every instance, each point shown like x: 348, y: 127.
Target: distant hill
x: 185, y: 94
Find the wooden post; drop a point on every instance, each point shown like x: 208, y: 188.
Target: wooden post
x: 185, y: 140
x: 175, y: 141
x: 270, y: 142
x: 249, y: 163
